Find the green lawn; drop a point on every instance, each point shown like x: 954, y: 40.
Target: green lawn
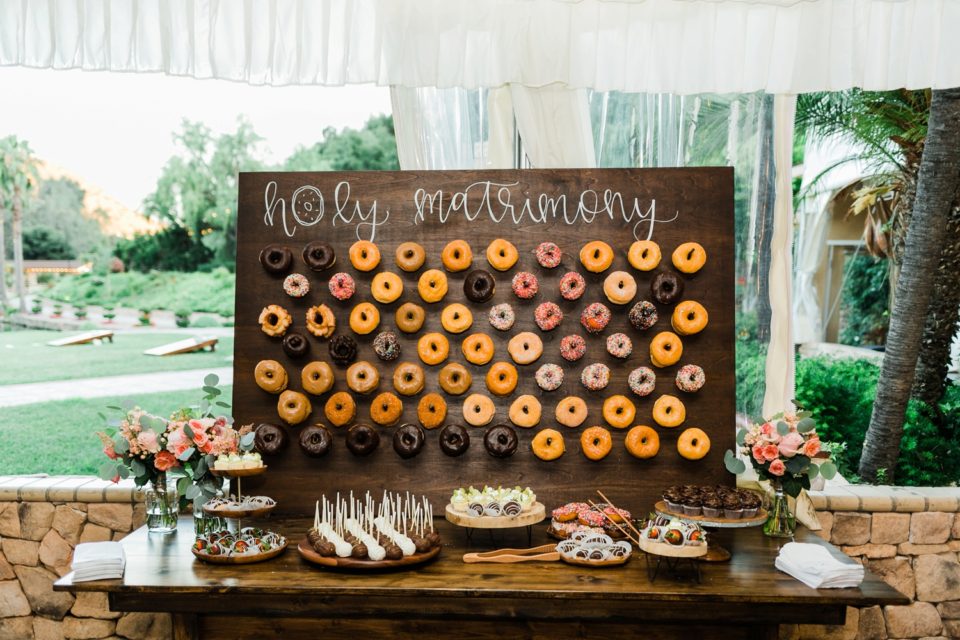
x: 37, y: 362
x: 59, y: 437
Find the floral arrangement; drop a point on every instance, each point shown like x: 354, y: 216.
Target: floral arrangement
x: 150, y: 448
x: 782, y: 450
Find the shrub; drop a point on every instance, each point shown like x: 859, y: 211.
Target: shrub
x: 182, y: 317
x: 145, y: 317
x: 171, y: 249
x: 37, y: 306
x: 864, y: 302
x: 80, y: 311
x: 205, y: 322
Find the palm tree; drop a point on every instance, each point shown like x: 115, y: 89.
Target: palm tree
x: 890, y: 129
x: 937, y: 190
x: 17, y: 177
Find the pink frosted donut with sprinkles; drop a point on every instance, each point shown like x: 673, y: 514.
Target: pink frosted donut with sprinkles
x: 501, y: 316
x: 342, y: 286
x: 572, y: 347
x: 595, y: 317
x: 690, y: 378
x: 642, y: 381
x: 548, y: 255
x: 619, y: 345
x: 296, y: 285
x: 525, y: 285
x: 595, y: 376
x: 591, y: 518
x: 572, y: 285
x: 547, y: 315
x: 549, y: 377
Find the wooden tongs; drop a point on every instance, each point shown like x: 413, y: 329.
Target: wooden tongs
x: 543, y: 553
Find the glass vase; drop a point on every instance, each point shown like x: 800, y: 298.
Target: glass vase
x: 162, y: 504
x: 781, y: 523
x: 203, y: 523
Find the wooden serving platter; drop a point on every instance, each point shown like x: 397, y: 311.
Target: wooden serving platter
x: 260, y: 557
x: 308, y: 554
x: 719, y: 523
x: 239, y: 514
x: 536, y: 514
x: 596, y: 564
x: 673, y: 551
x: 239, y: 473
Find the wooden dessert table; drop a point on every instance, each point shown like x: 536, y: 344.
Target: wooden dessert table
x: 289, y: 598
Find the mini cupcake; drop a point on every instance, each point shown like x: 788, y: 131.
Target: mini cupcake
x: 712, y: 506
x: 731, y: 507
x: 692, y: 505
x: 672, y: 499
x: 751, y: 504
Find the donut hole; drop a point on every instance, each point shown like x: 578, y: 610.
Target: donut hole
x: 291, y: 405
x: 269, y: 375
x: 525, y: 409
x: 477, y: 347
x: 456, y: 315
x: 408, y: 377
x: 502, y: 253
x: 476, y: 408
x: 618, y: 410
x: 409, y: 315
x: 363, y: 316
x: 502, y: 439
x: 433, y: 284
x: 363, y: 254
x: 408, y: 254
x: 455, y: 377
x: 502, y: 377
x: 667, y: 286
x: 456, y: 254
x: 668, y: 410
x: 434, y: 347
x: 621, y: 284
x: 645, y: 253
x: 596, y: 254
x: 384, y: 406
x: 691, y: 316
x: 315, y: 376
x: 596, y: 442
x: 668, y: 347
x: 362, y: 375
x: 572, y: 409
x: 694, y: 442
x: 690, y: 254
x: 386, y: 284
x: 272, y: 318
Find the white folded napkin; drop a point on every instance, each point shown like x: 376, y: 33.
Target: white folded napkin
x: 817, y: 568
x: 98, y: 561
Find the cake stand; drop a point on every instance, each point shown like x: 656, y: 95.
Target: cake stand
x: 536, y: 514
x: 715, y: 553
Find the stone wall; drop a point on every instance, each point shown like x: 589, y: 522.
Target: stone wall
x: 41, y: 520
x: 909, y: 537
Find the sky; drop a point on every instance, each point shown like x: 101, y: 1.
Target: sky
x: 115, y: 130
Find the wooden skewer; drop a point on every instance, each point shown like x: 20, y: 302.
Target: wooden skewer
x: 627, y: 520
x: 621, y: 529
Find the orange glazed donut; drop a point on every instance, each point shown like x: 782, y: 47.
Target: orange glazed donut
x: 596, y: 256
x: 433, y: 348
x: 456, y: 318
x: 665, y: 349
x: 270, y: 376
x: 408, y: 379
x: 525, y: 347
x: 457, y: 256
x: 548, y: 445
x: 689, y: 257
x: 642, y: 442
x: 668, y: 411
x: 571, y: 411
x: 320, y: 321
x: 362, y: 377
x: 693, y: 444
x: 274, y: 320
x: 364, y: 318
x: 502, y: 378
x: 477, y: 348
x: 364, y: 255
x: 293, y: 407
x: 454, y: 378
x: 340, y: 409
x: 689, y: 317
x: 386, y: 287
x: 410, y: 317
x: 410, y: 256
x: 432, y: 410
x: 316, y: 378
x: 619, y: 411
x: 525, y: 411
x: 501, y: 254
x: 596, y: 443
x: 478, y: 410
x: 432, y: 285
x: 644, y: 255
x: 385, y: 409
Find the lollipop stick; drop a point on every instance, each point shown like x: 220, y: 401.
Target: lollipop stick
x: 621, y: 529
x: 627, y: 520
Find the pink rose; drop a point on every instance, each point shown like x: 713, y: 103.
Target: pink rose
x: 791, y: 444
x: 811, y: 447
x: 164, y: 461
x: 148, y: 441
x: 768, y: 429
x: 770, y: 452
x: 757, y: 452
x: 180, y: 447
x: 176, y: 440
x: 777, y: 467
x: 200, y: 438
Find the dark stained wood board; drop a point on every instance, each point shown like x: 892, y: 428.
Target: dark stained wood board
x: 690, y: 205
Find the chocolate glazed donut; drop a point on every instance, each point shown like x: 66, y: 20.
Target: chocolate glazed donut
x: 270, y: 439
x: 315, y: 441
x: 666, y: 288
x: 408, y: 440
x: 319, y: 256
x: 362, y: 439
x: 500, y: 441
x: 479, y: 285
x: 454, y: 440
x: 343, y: 350
x: 276, y: 259
x: 295, y: 345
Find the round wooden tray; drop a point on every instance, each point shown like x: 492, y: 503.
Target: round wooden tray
x: 673, y: 551
x: 536, y: 514
x: 260, y: 557
x: 239, y: 473
x: 238, y: 514
x: 596, y: 564
x: 719, y: 523
x: 308, y: 554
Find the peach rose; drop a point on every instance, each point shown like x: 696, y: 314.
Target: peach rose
x: 811, y: 447
x: 777, y: 467
x: 164, y: 461
x: 791, y: 444
x: 757, y: 452
x: 200, y: 439
x: 148, y: 441
x: 768, y: 429
x: 770, y: 452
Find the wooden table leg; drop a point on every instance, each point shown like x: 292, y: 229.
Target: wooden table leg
x: 185, y: 626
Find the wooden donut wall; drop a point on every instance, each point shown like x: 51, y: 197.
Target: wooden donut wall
x: 394, y: 207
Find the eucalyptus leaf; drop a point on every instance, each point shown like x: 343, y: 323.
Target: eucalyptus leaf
x: 124, y: 472
x: 813, y: 471
x: 107, y: 470
x: 192, y: 492
x: 212, y: 391
x: 804, y: 414
x: 741, y: 436
x: 783, y: 428
x: 211, y: 380
x: 200, y: 469
x: 221, y: 403
x: 186, y: 454
x: 128, y: 405
x: 188, y: 431
x: 797, y: 464
x: 114, y: 407
x: 137, y: 467
x: 828, y: 470
x: 806, y: 425
x: 246, y: 440
x: 204, y: 406
x: 733, y: 464
x: 182, y: 485
x: 102, y: 416
x: 120, y: 444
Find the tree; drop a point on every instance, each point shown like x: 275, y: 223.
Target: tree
x: 41, y: 243
x: 938, y: 185
x: 58, y: 208
x: 374, y: 147
x: 197, y: 190
x: 17, y: 177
